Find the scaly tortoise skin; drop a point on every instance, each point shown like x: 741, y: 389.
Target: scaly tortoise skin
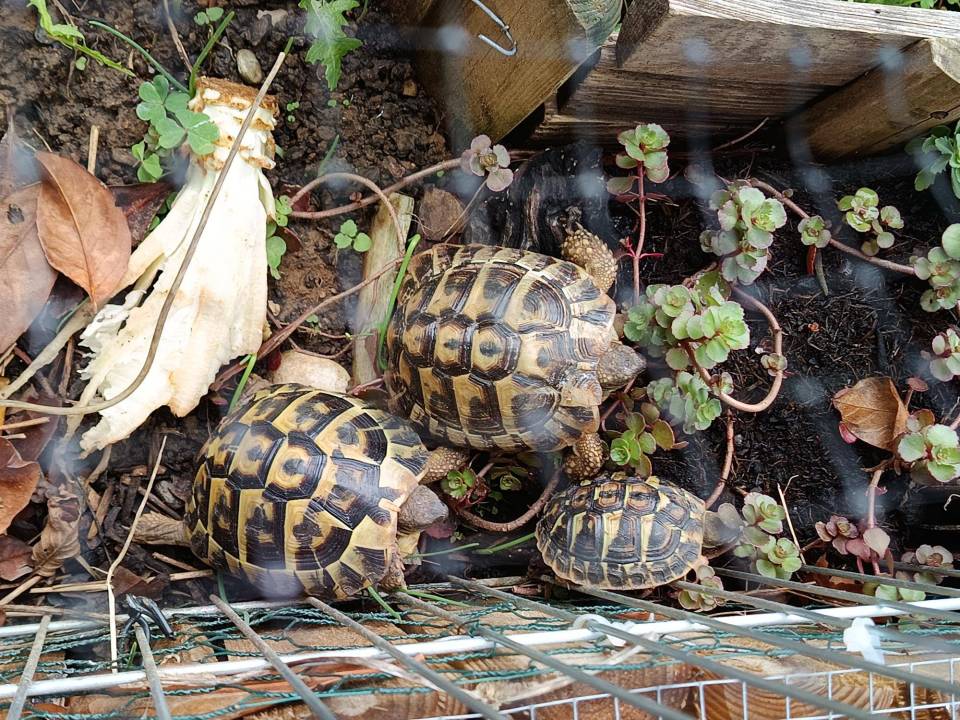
x: 498, y: 348
x: 621, y: 532
x: 300, y: 489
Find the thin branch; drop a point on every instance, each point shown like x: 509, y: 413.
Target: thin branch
x: 727, y: 465
x: 176, y: 37
x: 480, y: 523
x: 774, y: 390
x: 745, y: 136
x: 177, y: 281
x: 111, y: 600
x: 879, y: 262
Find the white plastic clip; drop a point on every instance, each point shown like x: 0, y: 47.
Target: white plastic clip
x: 859, y: 638
x: 583, y: 620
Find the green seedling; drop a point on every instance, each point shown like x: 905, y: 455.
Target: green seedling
x: 210, y: 16
x: 276, y: 245
x: 350, y: 236
x: 945, y: 363
x: 863, y: 214
x: 70, y: 37
x: 931, y: 451
x: 936, y: 153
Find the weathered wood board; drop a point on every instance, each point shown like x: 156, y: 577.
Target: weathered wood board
x: 480, y: 90
x: 718, y: 67
x: 888, y: 105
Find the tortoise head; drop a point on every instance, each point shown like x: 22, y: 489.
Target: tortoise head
x: 422, y: 509
x: 618, y: 366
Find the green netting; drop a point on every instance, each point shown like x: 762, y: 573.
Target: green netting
x: 213, y: 638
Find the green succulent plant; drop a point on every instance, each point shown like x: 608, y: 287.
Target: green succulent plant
x: 889, y: 592
x: 930, y: 555
x: 945, y: 363
x: 687, y: 400
x: 815, y: 231
x: 935, y: 153
x: 674, y: 321
x: 941, y: 268
x: 646, y: 146
x: 763, y: 521
x: 459, y: 483
x: 747, y: 220
x: 645, y: 432
x: 703, y: 601
x: 864, y: 215
x: 931, y: 451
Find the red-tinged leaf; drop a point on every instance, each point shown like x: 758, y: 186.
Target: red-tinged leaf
x: 140, y: 204
x: 917, y: 385
x: 876, y: 539
x: 16, y: 558
x: 18, y: 480
x: 848, y: 437
x: 82, y: 231
x: 26, y: 277
x: 872, y: 411
x: 859, y: 548
x: 17, y: 165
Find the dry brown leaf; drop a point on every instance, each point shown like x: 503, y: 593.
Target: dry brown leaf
x: 18, y: 479
x: 872, y: 411
x: 140, y: 204
x: 59, y: 540
x: 37, y: 437
x: 83, y: 233
x: 26, y: 277
x: 15, y: 558
x: 17, y: 166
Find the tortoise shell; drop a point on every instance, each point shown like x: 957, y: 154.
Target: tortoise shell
x: 299, y: 490
x: 621, y: 532
x: 498, y: 348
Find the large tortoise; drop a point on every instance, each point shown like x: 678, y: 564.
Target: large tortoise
x: 621, y: 532
x: 496, y: 348
x: 305, y: 490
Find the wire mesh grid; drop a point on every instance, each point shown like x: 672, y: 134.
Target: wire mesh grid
x: 472, y: 651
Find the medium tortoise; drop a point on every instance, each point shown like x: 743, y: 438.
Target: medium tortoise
x: 621, y: 532
x: 496, y: 348
x: 305, y: 490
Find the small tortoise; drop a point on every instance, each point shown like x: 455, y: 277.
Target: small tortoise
x: 620, y: 532
x: 305, y: 490
x: 495, y: 348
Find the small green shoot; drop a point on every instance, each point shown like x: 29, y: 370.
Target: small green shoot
x: 251, y: 361
x: 208, y: 46
x: 325, y: 22
x: 291, y: 108
x: 383, y: 603
x: 70, y: 37
x: 459, y: 483
x: 508, y: 545
x: 276, y: 245
x: 350, y: 236
x: 863, y: 214
x: 436, y: 598
x: 208, y: 17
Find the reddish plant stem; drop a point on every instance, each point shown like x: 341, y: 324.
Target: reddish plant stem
x: 727, y: 466
x: 879, y: 262
x: 871, y: 519
x: 369, y: 199
x: 481, y: 524
x: 616, y: 403
x: 641, y: 236
x: 774, y: 390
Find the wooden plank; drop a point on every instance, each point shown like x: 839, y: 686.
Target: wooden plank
x: 480, y: 90
x: 890, y: 104
x: 720, y: 66
x: 372, y: 300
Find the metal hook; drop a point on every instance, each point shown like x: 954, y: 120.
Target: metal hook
x: 503, y: 26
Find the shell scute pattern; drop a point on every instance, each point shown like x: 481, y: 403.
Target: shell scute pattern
x: 622, y: 532
x: 299, y: 489
x: 484, y: 338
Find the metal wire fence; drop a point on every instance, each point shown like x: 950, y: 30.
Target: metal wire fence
x: 466, y: 649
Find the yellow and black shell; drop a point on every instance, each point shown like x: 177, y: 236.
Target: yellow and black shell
x: 299, y: 491
x: 621, y: 532
x: 497, y: 348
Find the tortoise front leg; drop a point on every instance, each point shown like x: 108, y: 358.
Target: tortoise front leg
x: 586, y: 459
